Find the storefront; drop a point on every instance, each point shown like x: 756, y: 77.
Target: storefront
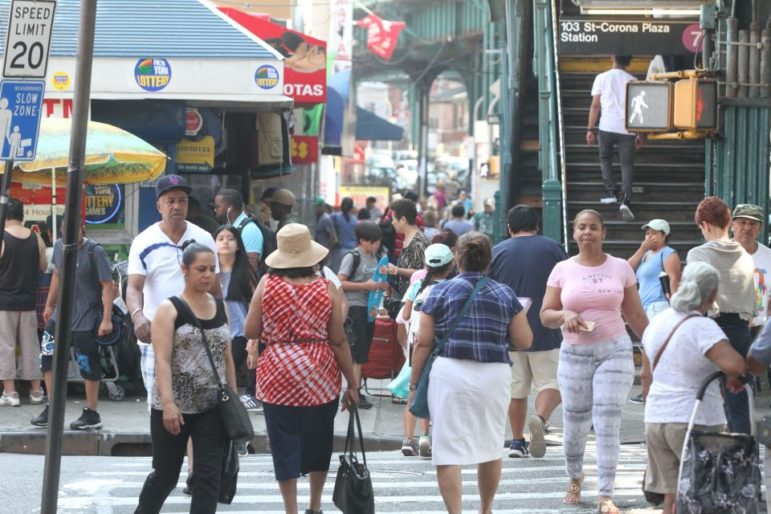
x: 185, y: 78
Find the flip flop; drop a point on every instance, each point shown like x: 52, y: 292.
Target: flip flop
x: 573, y: 494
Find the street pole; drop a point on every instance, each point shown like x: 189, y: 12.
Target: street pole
x: 71, y: 224
x: 5, y: 186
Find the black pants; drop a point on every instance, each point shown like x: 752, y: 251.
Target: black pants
x: 238, y: 349
x: 168, y: 451
x: 737, y: 409
x: 625, y: 146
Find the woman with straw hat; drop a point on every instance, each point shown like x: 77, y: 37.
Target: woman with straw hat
x: 297, y: 315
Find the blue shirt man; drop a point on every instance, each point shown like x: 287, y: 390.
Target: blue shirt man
x: 524, y: 263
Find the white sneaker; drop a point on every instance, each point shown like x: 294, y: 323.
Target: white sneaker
x: 36, y: 397
x: 424, y: 446
x: 537, y: 444
x: 11, y: 400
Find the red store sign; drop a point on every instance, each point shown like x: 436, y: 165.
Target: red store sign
x: 305, y: 149
x: 305, y: 64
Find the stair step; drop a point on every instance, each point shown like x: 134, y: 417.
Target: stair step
x: 670, y: 174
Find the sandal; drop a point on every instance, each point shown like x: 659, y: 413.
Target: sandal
x: 606, y: 506
x: 573, y: 494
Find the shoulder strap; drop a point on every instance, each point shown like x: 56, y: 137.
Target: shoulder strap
x: 197, y: 324
x: 91, y: 250
x: 666, y: 341
x: 356, y: 262
x: 440, y: 344
x: 350, y: 438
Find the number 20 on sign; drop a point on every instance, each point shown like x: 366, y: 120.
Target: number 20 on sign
x: 29, y: 38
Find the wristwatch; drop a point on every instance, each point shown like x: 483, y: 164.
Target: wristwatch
x: 413, y: 387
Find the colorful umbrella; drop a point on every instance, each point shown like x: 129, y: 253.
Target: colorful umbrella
x: 113, y: 156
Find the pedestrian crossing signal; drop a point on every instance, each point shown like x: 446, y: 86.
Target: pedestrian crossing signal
x: 695, y: 104
x: 648, y: 106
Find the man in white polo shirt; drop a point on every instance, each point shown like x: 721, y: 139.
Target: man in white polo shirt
x: 154, y: 265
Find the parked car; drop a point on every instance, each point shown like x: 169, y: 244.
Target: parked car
x: 381, y: 171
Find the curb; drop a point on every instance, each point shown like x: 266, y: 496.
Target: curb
x: 139, y: 444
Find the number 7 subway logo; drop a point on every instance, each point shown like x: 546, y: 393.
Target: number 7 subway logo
x: 29, y: 38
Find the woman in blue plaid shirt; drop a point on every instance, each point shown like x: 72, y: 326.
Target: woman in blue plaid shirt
x: 469, y: 385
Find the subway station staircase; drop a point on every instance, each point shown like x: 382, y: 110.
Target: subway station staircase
x: 668, y: 176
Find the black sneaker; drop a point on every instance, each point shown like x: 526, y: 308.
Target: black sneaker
x: 41, y: 420
x: 89, y: 420
x: 364, y: 403
x: 637, y: 399
x: 608, y: 198
x: 626, y: 211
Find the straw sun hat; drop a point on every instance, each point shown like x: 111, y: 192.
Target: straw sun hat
x: 296, y: 249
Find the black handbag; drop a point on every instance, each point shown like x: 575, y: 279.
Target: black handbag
x: 235, y: 419
x: 353, y: 492
x: 229, y: 473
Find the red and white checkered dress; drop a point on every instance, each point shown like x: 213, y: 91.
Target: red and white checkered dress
x: 298, y: 367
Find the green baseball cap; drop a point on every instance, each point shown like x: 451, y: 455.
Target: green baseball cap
x: 319, y: 201
x: 749, y: 211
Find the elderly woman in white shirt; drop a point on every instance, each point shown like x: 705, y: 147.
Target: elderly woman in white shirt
x: 683, y: 347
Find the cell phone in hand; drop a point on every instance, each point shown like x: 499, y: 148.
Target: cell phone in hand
x: 589, y: 326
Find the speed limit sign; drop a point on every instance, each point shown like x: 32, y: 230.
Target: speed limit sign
x: 29, y: 38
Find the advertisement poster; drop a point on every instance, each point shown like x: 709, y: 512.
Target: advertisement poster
x: 305, y: 64
x: 361, y: 193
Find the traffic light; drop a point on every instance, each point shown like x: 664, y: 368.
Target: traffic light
x: 648, y: 106
x: 695, y: 104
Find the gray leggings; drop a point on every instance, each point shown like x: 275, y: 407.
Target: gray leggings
x: 594, y: 380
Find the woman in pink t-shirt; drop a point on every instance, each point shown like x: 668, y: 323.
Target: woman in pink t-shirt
x: 586, y: 296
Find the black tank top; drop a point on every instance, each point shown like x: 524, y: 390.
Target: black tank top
x: 184, y: 315
x: 18, y: 273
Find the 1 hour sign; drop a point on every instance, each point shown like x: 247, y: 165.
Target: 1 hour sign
x: 29, y: 38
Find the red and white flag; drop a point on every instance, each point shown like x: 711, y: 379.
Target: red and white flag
x: 382, y: 35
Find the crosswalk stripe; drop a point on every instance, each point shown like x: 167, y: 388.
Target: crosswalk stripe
x: 401, y: 484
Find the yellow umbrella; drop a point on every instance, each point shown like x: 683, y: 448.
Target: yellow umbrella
x: 113, y: 156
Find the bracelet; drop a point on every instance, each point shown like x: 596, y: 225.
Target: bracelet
x: 138, y: 309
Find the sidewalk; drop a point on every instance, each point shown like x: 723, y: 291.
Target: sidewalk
x: 126, y: 426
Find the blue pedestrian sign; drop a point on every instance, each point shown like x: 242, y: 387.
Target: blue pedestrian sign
x: 21, y: 103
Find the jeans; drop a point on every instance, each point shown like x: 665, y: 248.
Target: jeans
x: 737, y: 409
x: 168, y: 451
x: 238, y: 349
x: 625, y: 145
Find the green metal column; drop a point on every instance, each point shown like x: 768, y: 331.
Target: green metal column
x: 544, y: 64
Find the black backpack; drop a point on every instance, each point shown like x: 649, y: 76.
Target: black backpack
x: 269, y: 243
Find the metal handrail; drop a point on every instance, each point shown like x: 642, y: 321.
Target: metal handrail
x: 560, y: 125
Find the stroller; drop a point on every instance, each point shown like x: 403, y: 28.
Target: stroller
x: 719, y: 472
x: 119, y: 357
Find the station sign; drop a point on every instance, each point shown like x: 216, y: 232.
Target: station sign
x: 587, y: 35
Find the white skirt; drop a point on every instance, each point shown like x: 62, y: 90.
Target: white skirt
x: 469, y: 403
